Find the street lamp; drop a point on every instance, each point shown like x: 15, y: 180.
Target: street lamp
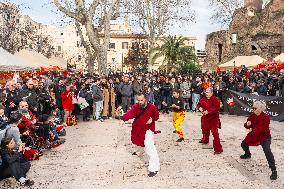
x: 234, y: 39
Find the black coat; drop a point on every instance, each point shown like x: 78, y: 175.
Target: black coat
x: 58, y: 91
x: 11, y: 97
x: 32, y: 97
x: 166, y: 89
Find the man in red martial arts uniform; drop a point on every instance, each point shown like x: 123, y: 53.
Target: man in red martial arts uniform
x: 259, y: 134
x: 209, y: 106
x: 143, y: 128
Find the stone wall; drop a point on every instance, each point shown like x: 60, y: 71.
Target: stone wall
x: 261, y: 34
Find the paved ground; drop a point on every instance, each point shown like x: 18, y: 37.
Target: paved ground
x: 98, y: 155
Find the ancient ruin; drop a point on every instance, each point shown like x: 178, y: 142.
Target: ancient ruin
x: 259, y: 29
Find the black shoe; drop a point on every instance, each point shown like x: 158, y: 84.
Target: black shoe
x: 273, y: 175
x: 134, y: 154
x: 152, y: 174
x: 245, y: 156
x: 174, y: 131
x: 201, y: 142
x: 216, y: 153
x: 180, y: 140
x: 28, y: 183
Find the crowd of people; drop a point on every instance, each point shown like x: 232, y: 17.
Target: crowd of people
x: 35, y: 110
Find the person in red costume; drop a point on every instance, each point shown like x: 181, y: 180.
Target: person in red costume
x: 209, y: 106
x: 143, y: 129
x: 259, y: 134
x: 67, y: 102
x: 28, y: 119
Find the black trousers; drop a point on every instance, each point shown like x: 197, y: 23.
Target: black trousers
x: 267, y: 151
x: 16, y: 169
x: 125, y: 102
x: 86, y: 112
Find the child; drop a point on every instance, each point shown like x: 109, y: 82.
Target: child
x: 119, y: 112
x: 14, y: 163
x: 176, y: 103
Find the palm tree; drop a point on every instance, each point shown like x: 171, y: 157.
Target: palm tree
x: 173, y: 50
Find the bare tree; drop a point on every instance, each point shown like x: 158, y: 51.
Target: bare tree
x: 156, y: 17
x: 18, y: 32
x: 94, y: 18
x: 223, y: 11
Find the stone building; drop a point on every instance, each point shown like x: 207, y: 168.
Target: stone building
x: 260, y: 31
x: 67, y: 42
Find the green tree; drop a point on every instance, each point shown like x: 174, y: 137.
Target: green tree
x: 137, y: 57
x: 175, y: 52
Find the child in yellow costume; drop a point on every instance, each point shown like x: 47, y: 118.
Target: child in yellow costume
x: 177, y: 106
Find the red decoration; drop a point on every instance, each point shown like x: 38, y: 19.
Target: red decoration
x: 232, y: 104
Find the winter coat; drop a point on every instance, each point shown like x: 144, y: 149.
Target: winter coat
x: 197, y: 89
x: 138, y: 87
x: 262, y: 90
x: 126, y: 89
x: 11, y: 98
x: 58, y: 91
x: 97, y: 93
x: 166, y: 89
x: 32, y: 97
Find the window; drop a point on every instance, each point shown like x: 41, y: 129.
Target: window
x: 220, y: 52
x: 77, y: 33
x: 59, y: 48
x: 135, y: 45
x: 79, y: 57
x: 61, y: 33
x: 17, y: 21
x: 253, y: 48
x: 144, y: 45
x: 112, y: 45
x: 124, y: 45
x: 78, y: 44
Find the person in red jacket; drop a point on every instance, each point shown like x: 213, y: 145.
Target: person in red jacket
x: 259, y: 134
x: 209, y: 106
x: 67, y: 102
x: 143, y: 128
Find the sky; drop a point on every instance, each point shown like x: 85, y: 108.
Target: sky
x: 43, y: 11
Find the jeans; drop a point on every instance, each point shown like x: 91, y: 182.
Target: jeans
x: 98, y: 109
x: 267, y: 151
x: 195, y: 100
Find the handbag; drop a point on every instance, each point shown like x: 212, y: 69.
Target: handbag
x: 71, y: 120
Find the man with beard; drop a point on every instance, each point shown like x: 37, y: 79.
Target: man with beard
x: 143, y: 128
x: 209, y: 106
